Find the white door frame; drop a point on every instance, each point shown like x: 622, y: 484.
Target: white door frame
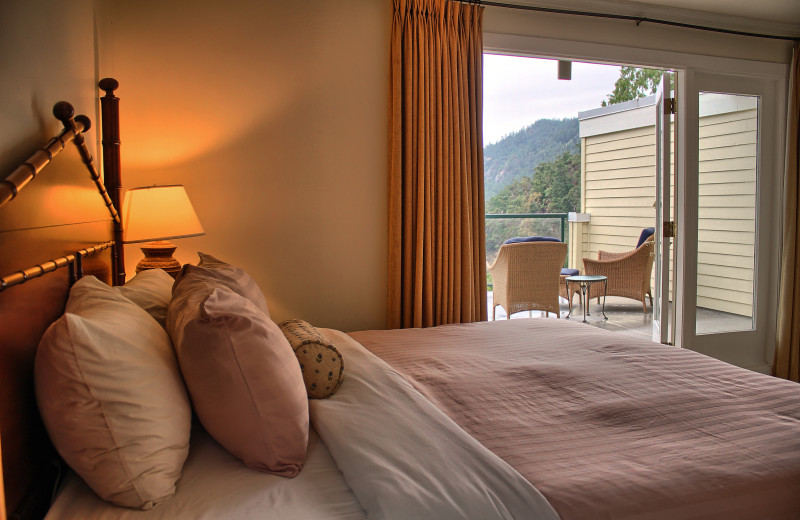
x: 663, y: 315
x: 689, y: 68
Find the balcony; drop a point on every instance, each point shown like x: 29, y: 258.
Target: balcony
x: 618, y: 188
x: 624, y: 315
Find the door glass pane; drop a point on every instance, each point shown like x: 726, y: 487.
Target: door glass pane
x: 728, y: 180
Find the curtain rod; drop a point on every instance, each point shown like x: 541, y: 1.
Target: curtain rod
x: 637, y: 19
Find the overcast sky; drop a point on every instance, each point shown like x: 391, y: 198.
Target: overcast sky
x: 519, y: 91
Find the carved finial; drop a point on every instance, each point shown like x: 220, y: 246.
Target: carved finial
x: 85, y: 121
x: 109, y: 85
x: 63, y: 111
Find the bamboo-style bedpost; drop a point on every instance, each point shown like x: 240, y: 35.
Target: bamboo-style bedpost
x: 27, y: 171
x: 71, y: 261
x: 74, y: 126
x: 109, y: 109
x: 63, y: 112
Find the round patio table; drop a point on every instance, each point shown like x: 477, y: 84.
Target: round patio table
x: 584, y: 282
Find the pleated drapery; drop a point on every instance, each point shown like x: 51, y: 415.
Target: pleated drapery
x: 437, y: 266
x: 787, y: 350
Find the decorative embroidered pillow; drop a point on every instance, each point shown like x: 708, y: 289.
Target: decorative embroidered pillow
x: 243, y: 378
x: 223, y: 273
x: 151, y: 290
x: 112, y: 398
x: 321, y: 363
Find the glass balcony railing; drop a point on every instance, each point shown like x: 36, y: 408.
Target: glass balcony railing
x: 501, y: 227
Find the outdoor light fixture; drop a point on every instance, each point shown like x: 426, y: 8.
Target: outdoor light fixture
x: 564, y: 69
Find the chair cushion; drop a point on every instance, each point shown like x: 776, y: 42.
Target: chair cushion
x: 517, y: 240
x: 570, y: 272
x: 646, y: 233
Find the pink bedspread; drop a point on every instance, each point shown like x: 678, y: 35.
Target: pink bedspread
x: 610, y: 426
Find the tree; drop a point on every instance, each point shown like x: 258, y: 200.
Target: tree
x: 558, y: 183
x: 634, y: 83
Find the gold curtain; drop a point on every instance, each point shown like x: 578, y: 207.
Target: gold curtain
x: 787, y: 351
x: 437, y: 266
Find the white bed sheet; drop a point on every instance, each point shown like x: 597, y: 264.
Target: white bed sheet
x: 405, y: 459
x: 215, y: 485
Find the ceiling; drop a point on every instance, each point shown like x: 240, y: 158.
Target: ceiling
x: 778, y: 17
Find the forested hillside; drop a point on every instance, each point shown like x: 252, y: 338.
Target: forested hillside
x: 553, y: 188
x: 518, y: 154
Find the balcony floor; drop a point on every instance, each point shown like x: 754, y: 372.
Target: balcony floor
x: 626, y: 316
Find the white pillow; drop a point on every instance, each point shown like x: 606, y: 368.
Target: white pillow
x: 112, y: 398
x: 151, y: 290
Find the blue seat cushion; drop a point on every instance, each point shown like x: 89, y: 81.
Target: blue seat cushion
x: 517, y: 240
x: 646, y: 233
x: 570, y: 272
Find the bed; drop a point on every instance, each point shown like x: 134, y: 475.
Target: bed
x: 538, y: 418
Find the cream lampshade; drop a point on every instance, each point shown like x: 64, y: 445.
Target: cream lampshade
x: 156, y: 214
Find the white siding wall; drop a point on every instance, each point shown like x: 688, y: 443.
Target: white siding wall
x: 726, y: 232
x: 618, y: 180
x: 619, y: 188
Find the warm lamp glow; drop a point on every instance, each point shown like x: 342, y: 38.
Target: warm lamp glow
x: 159, y: 213
x: 154, y: 215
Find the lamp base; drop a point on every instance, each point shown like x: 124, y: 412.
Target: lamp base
x: 158, y: 255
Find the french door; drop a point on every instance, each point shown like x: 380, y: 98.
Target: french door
x: 728, y: 210
x: 663, y: 311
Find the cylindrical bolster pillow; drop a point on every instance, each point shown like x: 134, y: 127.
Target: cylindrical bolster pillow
x: 322, y: 365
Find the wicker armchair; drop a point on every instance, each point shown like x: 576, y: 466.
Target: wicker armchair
x: 628, y: 273
x: 527, y: 277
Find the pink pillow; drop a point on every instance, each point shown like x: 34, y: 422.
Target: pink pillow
x: 223, y: 273
x: 243, y: 378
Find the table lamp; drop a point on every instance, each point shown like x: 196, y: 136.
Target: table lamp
x: 156, y: 214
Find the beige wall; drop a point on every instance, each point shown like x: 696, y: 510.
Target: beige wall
x: 274, y: 116
x: 43, y: 60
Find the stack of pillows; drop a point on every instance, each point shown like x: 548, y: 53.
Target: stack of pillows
x: 118, y: 375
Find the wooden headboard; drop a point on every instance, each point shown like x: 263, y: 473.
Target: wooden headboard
x: 59, y: 221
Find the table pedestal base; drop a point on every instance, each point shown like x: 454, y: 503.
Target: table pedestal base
x: 584, y: 283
